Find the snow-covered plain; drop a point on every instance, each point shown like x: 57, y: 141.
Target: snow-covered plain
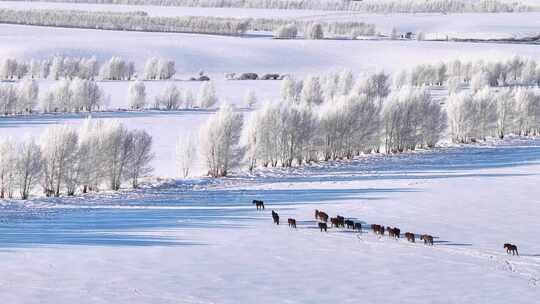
x: 203, y: 241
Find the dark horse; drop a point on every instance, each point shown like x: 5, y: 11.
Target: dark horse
x: 292, y: 222
x: 323, y: 226
x: 258, y: 204
x: 511, y: 249
x: 275, y: 217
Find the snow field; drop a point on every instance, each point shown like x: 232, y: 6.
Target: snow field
x: 230, y: 253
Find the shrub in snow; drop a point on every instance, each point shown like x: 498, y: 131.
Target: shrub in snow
x: 136, y: 95
x: 219, y: 138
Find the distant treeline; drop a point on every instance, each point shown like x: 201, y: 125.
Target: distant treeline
x: 372, y: 6
x: 140, y: 21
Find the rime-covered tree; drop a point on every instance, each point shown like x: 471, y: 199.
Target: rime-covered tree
x: 137, y: 95
x: 219, y: 141
x: 207, y: 96
x: 28, y: 166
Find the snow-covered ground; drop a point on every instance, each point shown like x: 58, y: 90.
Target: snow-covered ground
x: 465, y: 25
x: 203, y: 241
x: 217, y: 55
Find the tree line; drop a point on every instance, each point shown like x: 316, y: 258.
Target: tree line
x: 515, y: 71
x: 66, y: 160
x: 335, y: 116
x: 369, y: 6
x: 487, y: 112
x: 83, y: 95
x: 133, y: 21
x: 65, y: 67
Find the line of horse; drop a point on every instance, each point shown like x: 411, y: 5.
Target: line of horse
x: 340, y: 222
x: 393, y: 232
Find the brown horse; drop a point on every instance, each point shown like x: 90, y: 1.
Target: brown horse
x: 428, y: 239
x: 390, y: 232
x: 376, y: 228
x: 275, y: 217
x: 323, y: 217
x: 334, y: 221
x: 511, y: 249
x: 258, y: 204
x: 410, y: 237
x: 292, y: 222
x: 323, y: 226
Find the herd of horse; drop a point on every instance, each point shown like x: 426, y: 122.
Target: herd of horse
x: 340, y: 222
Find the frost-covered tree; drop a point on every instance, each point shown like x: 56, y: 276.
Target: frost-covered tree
x: 117, y: 69
x: 412, y: 119
x: 219, y: 141
x: 376, y: 85
x: 136, y: 95
x: 291, y: 89
x: 311, y: 91
x: 140, y: 156
x: 527, y: 112
x: 207, y: 96
x: 348, y: 125
x: 189, y: 100
x: 59, y: 147
x: 461, y: 122
x: 86, y: 95
x: 186, y: 149
x: 485, y: 111
x: 8, y: 99
x: 28, y: 91
x: 118, y: 142
x: 170, y: 99
x: 159, y: 69
x: 7, y: 167
x: 28, y: 166
x: 250, y: 99
x: 505, y: 112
